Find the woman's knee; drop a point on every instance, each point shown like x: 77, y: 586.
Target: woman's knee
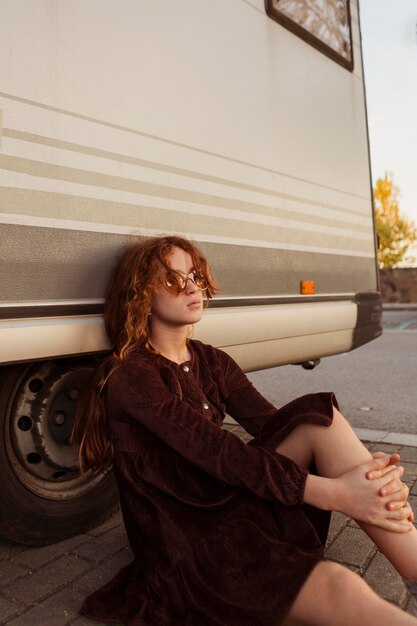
x: 332, y: 578
x: 328, y: 587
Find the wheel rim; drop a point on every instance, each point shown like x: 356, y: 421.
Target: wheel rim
x: 38, y: 426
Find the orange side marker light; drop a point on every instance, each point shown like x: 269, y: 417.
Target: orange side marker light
x: 307, y: 287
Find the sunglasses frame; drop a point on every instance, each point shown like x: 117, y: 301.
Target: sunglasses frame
x: 190, y: 276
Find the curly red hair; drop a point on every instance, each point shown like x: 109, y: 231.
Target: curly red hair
x: 128, y: 301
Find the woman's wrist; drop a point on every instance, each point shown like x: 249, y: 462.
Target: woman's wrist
x: 321, y: 492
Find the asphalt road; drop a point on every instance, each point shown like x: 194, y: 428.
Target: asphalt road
x: 376, y: 384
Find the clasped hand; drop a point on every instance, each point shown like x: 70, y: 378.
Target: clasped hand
x: 375, y: 494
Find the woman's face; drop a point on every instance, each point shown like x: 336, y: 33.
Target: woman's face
x: 185, y: 308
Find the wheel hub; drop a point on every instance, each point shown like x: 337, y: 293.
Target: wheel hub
x: 41, y: 418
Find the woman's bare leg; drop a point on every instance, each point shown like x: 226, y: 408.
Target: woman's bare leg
x: 335, y: 450
x: 334, y: 596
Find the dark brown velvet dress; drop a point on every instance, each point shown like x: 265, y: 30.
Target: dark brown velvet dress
x: 219, y: 531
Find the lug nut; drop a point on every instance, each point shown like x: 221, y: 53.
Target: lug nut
x: 72, y: 393
x: 59, y: 419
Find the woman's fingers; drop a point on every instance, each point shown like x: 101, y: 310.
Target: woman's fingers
x: 378, y: 466
x: 360, y: 498
x: 403, y: 512
x: 397, y: 527
x: 394, y: 458
x: 390, y: 472
x: 383, y: 464
x: 395, y: 505
x: 395, y: 488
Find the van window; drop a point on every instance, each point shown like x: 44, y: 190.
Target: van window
x: 325, y: 24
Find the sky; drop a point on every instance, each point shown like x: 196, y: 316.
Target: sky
x: 389, y: 44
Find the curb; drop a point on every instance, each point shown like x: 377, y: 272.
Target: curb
x: 366, y: 434
x: 399, y: 306
x: 384, y: 436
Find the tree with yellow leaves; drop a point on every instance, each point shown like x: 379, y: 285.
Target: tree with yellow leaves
x: 395, y: 232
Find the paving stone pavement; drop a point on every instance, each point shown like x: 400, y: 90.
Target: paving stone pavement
x: 45, y: 586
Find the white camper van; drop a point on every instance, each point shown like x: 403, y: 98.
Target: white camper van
x: 238, y: 123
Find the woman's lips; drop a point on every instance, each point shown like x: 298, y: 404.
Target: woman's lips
x: 196, y: 304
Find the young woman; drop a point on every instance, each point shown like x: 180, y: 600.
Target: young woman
x: 225, y: 533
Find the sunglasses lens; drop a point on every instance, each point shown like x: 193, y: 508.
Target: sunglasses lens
x: 172, y: 282
x: 200, y: 281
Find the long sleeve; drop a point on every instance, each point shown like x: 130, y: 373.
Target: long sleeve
x: 242, y: 400
x: 137, y: 394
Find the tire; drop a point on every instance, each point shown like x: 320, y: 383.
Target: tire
x: 43, y: 496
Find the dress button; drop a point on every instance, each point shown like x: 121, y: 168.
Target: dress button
x: 185, y: 368
x: 205, y: 405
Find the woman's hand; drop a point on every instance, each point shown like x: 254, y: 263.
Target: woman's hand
x: 396, y: 488
x: 360, y: 497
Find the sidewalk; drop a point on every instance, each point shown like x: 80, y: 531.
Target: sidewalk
x: 45, y: 586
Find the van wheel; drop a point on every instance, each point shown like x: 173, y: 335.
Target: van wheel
x: 43, y: 496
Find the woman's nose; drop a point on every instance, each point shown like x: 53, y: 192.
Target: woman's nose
x: 191, y: 287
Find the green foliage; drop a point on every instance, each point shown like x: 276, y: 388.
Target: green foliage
x: 396, y: 233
